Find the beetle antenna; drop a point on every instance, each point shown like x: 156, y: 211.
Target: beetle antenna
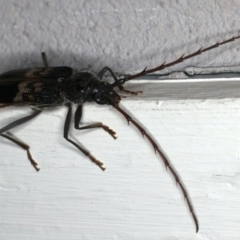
x: 165, y: 160
x: 144, y: 72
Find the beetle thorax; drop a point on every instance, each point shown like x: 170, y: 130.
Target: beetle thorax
x: 79, y: 87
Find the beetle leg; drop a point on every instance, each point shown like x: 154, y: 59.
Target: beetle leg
x: 19, y: 121
x: 23, y: 145
x: 7, y: 105
x: 84, y: 151
x: 18, y: 142
x: 77, y: 119
x: 44, y: 58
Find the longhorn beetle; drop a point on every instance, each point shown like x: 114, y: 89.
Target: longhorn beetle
x: 54, y: 86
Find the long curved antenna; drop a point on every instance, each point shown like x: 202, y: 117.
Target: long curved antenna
x: 166, y: 65
x: 165, y: 160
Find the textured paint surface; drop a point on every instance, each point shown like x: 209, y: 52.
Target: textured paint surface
x: 135, y: 198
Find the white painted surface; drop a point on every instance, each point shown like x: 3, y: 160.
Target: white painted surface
x: 135, y: 197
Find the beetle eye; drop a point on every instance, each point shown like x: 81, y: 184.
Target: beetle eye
x: 99, y: 98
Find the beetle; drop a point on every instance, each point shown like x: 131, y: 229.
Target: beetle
x: 43, y: 87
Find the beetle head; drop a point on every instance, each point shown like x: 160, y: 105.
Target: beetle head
x: 104, y: 94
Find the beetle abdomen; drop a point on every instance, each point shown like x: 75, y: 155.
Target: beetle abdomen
x: 8, y: 92
x: 38, y: 92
